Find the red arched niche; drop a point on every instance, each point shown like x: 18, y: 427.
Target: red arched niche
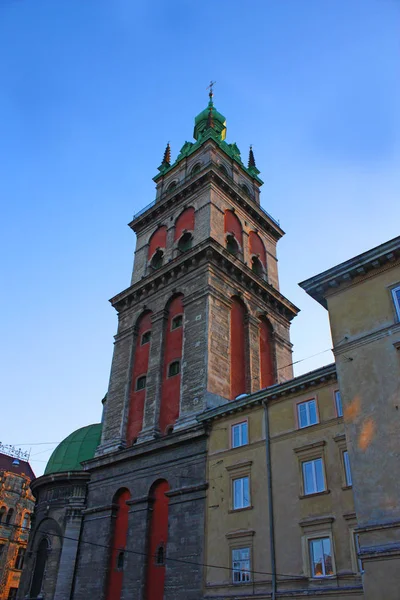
x: 257, y: 247
x: 268, y: 376
x: 233, y: 225
x: 157, y: 240
x: 171, y: 385
x: 157, y: 542
x: 184, y: 221
x: 118, y: 545
x: 140, y: 367
x: 238, y: 348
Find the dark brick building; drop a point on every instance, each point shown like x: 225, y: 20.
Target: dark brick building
x: 202, y: 322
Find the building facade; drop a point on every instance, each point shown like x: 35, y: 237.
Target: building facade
x: 362, y: 296
x: 16, y: 508
x: 280, y: 511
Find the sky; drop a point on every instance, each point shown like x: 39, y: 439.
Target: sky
x: 92, y: 90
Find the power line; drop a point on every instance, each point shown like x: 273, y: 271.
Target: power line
x: 166, y: 558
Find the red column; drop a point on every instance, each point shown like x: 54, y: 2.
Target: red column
x: 157, y: 542
x: 115, y: 572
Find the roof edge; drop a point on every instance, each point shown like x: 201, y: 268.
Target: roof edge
x: 317, y: 286
x: 272, y: 392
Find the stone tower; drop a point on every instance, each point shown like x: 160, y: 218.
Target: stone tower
x: 203, y: 320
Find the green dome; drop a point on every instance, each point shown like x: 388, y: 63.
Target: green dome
x: 200, y: 122
x: 77, y: 447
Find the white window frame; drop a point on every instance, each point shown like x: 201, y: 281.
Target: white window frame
x: 241, y: 567
x: 239, y: 481
x: 312, y: 540
x: 307, y: 404
x: 396, y: 299
x: 347, y: 469
x: 338, y: 403
x: 240, y: 426
x: 314, y: 476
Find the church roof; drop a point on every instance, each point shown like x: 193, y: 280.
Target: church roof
x: 76, y: 448
x: 19, y: 467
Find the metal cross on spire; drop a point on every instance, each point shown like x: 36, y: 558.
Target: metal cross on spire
x: 210, y: 87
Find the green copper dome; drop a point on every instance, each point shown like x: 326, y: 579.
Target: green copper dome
x: 202, y: 121
x: 77, y: 447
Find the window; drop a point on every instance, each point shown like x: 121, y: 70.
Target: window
x: 245, y: 189
x: 9, y: 516
x: 185, y: 242
x: 3, y: 511
x: 256, y: 266
x: 120, y: 560
x: 357, y: 550
x: 26, y: 523
x: 346, y: 463
x: 396, y: 300
x: 146, y: 336
x: 232, y: 245
x: 160, y: 555
x: 141, y: 383
x: 157, y: 260
x: 239, y: 433
x: 177, y: 322
x: 321, y: 557
x: 171, y: 186
x: 338, y: 403
x: 12, y: 594
x: 241, y: 565
x: 241, y: 493
x: 307, y: 413
x: 19, y: 561
x: 313, y: 476
x: 174, y: 368
x: 196, y: 169
x: 2, y: 546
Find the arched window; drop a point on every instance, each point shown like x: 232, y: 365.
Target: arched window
x: 119, y: 535
x: 141, y: 382
x: 185, y: 243
x: 267, y: 362
x: 256, y: 266
x: 158, y: 259
x: 195, y: 169
x: 160, y: 555
x: 157, y: 540
x: 157, y: 242
x: 9, y: 516
x: 171, y: 186
x: 246, y: 190
x: 3, y: 511
x: 223, y: 170
x: 26, y: 523
x: 233, y: 232
x: 171, y: 382
x: 42, y: 554
x: 184, y: 227
x: 139, y: 376
x: 238, y: 347
x: 257, y: 249
x: 232, y: 245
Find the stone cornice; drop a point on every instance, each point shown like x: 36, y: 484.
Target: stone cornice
x: 207, y: 252
x: 319, y: 286
x: 67, y: 477
x: 192, y: 184
x: 273, y: 392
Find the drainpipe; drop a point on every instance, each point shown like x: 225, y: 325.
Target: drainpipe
x: 270, y: 501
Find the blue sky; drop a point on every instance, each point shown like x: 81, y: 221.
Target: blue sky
x: 91, y: 91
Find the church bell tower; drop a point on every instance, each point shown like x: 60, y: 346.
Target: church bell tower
x: 203, y: 320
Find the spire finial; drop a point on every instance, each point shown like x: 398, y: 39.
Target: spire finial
x: 252, y: 162
x: 211, y: 92
x: 167, y: 156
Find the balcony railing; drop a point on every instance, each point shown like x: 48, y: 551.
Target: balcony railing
x: 190, y: 176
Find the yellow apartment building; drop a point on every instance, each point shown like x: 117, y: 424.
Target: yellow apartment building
x: 280, y: 516
x: 362, y: 296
